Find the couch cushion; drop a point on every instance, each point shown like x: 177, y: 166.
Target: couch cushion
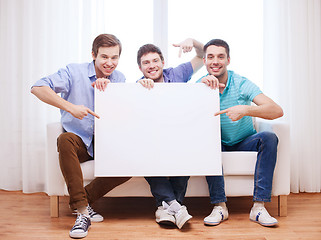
x: 234, y: 163
x: 88, y: 170
x: 239, y: 163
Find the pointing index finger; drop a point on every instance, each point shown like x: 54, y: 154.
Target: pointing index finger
x: 220, y: 112
x: 180, y: 52
x: 94, y: 114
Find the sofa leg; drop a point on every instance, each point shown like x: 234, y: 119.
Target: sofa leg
x: 283, y: 205
x: 54, y: 206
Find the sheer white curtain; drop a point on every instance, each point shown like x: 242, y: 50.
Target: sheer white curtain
x: 37, y: 37
x: 292, y: 75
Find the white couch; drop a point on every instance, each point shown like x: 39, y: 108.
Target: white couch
x: 238, y: 171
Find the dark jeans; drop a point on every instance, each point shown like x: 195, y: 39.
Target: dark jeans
x: 168, y: 188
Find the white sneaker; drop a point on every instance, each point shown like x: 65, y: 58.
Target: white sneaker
x: 218, y: 215
x: 182, y: 217
x: 163, y: 217
x: 261, y: 216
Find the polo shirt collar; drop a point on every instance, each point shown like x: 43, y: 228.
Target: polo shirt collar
x: 229, y: 77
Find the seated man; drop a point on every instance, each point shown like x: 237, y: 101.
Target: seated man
x: 76, y: 144
x: 238, y: 133
x: 168, y: 191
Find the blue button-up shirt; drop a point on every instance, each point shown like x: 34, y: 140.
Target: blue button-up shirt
x: 181, y: 73
x: 74, y: 84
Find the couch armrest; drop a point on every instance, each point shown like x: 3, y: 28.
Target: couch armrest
x: 55, y: 180
x: 281, y: 179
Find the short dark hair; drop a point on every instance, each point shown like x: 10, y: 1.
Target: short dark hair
x: 105, y: 40
x: 219, y: 43
x: 148, y: 48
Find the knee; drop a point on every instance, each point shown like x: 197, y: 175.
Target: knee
x: 269, y: 137
x: 64, y: 141
x: 269, y: 140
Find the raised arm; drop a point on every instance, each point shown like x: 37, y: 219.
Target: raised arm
x: 47, y: 95
x: 265, y: 108
x: 187, y: 46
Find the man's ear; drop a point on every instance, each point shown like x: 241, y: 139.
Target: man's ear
x: 93, y: 55
x: 228, y: 60
x: 204, y: 60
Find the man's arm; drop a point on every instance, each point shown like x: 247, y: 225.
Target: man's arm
x: 265, y: 108
x: 47, y: 95
x: 187, y: 46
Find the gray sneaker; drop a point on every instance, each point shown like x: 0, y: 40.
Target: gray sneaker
x: 94, y: 217
x: 80, y: 229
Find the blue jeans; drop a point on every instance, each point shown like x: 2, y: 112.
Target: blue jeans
x: 265, y: 144
x: 168, y: 188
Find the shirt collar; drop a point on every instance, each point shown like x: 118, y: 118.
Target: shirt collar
x: 229, y: 76
x: 166, y: 79
x: 92, y: 72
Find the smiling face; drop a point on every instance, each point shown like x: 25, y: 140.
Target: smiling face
x: 152, y: 66
x: 106, y: 61
x: 216, y: 62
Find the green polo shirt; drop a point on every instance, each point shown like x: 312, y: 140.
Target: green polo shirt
x: 238, y: 91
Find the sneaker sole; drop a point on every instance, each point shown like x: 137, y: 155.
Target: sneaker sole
x: 265, y: 224
x: 166, y: 222
x: 78, y: 235
x: 96, y: 219
x: 213, y: 223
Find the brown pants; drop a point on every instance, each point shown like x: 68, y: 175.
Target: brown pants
x: 72, y: 152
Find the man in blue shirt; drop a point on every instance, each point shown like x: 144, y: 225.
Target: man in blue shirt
x: 238, y: 133
x: 169, y: 192
x: 75, y: 84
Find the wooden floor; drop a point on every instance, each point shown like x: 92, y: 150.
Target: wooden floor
x: 26, y: 216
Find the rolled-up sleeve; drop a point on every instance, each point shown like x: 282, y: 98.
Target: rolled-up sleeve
x: 59, y: 82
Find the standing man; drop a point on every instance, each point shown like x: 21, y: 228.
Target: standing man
x: 238, y: 133
x: 76, y: 105
x: 169, y: 192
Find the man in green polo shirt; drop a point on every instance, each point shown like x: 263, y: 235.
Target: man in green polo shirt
x: 238, y: 133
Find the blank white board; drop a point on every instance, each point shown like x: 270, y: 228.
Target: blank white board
x: 169, y: 130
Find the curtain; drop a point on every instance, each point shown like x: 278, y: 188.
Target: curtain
x: 292, y: 76
x: 37, y: 37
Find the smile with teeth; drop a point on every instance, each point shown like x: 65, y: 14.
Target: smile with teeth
x: 215, y: 69
x: 152, y: 71
x: 108, y: 68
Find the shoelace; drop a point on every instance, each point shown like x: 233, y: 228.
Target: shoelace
x: 171, y: 209
x: 91, y: 211
x: 217, y: 209
x: 81, y: 222
x: 263, y: 210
